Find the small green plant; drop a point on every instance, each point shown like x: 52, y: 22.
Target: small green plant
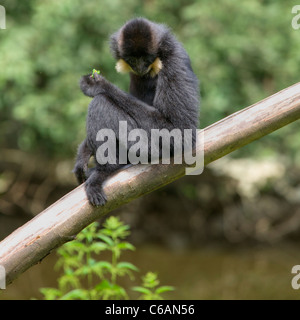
x: 150, y: 289
x: 86, y: 278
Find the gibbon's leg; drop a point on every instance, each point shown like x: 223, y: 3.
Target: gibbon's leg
x: 103, y: 118
x: 94, y: 184
x: 81, y: 166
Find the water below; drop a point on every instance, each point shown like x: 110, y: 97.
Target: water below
x: 212, y: 272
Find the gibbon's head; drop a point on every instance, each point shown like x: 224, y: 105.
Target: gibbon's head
x: 135, y: 46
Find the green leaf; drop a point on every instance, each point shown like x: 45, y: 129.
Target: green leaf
x: 150, y: 280
x: 125, y: 246
x: 105, y: 239
x: 77, y: 294
x: 69, y: 263
x: 105, y: 284
x: 107, y: 232
x: 83, y: 271
x: 91, y: 262
x: 88, y: 233
x: 102, y: 265
x: 141, y: 290
x: 121, y: 232
x: 98, y: 247
x: 108, y: 290
x: 127, y: 265
x: 112, y: 223
x: 74, y: 245
x: 51, y: 293
x: 164, y: 289
x: 68, y: 280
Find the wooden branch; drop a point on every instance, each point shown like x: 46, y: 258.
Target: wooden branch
x: 64, y: 219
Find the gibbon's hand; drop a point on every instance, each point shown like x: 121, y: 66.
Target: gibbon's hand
x: 93, y: 84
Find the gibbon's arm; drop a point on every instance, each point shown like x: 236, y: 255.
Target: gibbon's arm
x: 132, y: 106
x: 177, y: 93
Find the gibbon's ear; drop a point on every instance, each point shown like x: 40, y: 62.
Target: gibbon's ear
x: 155, y: 67
x: 123, y: 67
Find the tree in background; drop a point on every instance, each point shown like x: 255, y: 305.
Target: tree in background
x: 48, y: 45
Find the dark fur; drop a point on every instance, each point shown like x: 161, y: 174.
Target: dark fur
x: 169, y: 100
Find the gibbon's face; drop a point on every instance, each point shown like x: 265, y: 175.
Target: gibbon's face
x: 140, y: 65
x: 137, y: 50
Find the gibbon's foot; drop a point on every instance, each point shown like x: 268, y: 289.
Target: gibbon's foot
x: 95, y: 194
x: 80, y: 174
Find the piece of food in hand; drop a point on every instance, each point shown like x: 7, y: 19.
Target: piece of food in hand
x: 95, y: 71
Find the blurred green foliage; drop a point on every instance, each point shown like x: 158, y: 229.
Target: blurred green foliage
x: 241, y: 52
x: 80, y: 261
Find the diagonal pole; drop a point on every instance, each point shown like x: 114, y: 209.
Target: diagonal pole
x: 65, y: 218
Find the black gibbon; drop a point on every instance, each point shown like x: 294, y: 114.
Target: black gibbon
x: 164, y: 94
